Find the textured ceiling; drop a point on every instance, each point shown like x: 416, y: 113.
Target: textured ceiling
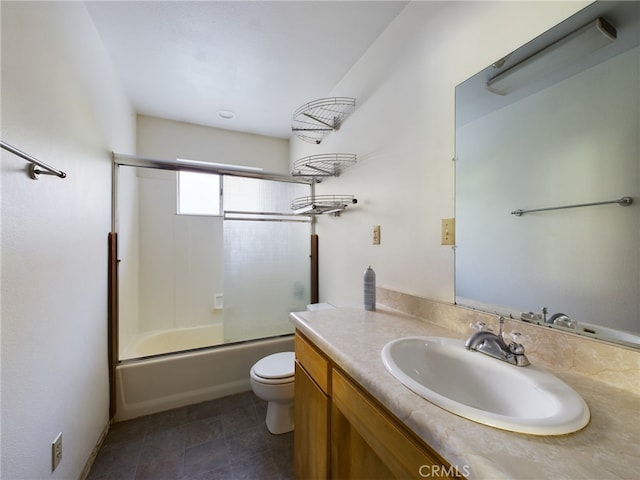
x: 185, y: 60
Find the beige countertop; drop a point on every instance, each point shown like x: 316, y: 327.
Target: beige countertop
x: 608, y: 448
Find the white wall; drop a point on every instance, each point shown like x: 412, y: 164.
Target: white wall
x: 168, y: 140
x: 62, y: 104
x: 403, y: 133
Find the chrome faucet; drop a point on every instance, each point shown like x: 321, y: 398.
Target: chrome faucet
x: 535, y: 317
x: 487, y: 342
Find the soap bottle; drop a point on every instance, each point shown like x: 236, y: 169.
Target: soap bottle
x: 369, y: 289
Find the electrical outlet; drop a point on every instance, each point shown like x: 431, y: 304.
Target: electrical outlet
x: 448, y: 231
x: 56, y: 452
x: 376, y: 234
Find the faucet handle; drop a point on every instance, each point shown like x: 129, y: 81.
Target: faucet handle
x: 480, y: 327
x: 518, y: 337
x: 517, y: 348
x: 516, y: 342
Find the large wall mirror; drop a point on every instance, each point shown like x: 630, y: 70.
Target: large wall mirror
x: 548, y: 178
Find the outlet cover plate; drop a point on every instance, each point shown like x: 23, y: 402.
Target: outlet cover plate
x: 56, y: 452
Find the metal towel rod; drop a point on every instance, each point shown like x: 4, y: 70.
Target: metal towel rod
x: 623, y: 202
x: 34, y: 171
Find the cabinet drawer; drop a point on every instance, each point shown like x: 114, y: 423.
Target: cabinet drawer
x: 313, y: 362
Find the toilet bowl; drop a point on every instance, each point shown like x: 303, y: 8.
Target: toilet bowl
x: 272, y: 380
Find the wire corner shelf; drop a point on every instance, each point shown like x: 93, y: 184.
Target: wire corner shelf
x: 313, y: 121
x: 323, y: 165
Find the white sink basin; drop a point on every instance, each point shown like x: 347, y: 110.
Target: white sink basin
x: 484, y: 389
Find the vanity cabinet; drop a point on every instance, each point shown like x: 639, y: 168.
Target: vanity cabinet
x: 312, y: 406
x: 342, y: 432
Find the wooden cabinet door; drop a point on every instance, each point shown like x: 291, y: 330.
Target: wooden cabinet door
x: 311, y: 433
x: 368, y: 443
x: 351, y: 455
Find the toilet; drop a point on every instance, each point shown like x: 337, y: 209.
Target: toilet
x: 272, y: 379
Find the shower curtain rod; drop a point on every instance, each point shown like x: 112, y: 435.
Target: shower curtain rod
x: 34, y: 171
x: 203, y: 167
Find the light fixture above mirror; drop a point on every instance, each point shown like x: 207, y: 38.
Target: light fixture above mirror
x: 556, y: 56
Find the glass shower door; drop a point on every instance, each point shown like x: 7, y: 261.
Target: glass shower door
x: 266, y: 258
x: 196, y: 280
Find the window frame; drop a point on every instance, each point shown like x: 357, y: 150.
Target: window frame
x: 179, y: 179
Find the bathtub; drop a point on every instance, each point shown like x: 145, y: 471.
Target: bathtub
x: 174, y: 340
x: 153, y: 385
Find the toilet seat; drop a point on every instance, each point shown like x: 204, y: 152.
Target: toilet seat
x: 275, y: 369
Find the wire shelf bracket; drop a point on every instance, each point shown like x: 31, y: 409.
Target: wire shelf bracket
x: 623, y: 202
x: 36, y: 167
x: 313, y: 121
x: 322, y: 204
x: 323, y: 165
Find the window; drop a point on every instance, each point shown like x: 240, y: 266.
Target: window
x: 198, y: 193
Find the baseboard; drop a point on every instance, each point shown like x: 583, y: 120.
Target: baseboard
x: 94, y: 453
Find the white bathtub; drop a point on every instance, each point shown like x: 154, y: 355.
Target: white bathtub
x: 156, y: 384
x: 177, y: 340
x: 174, y: 340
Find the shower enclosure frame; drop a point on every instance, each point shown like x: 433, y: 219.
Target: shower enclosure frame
x: 113, y: 258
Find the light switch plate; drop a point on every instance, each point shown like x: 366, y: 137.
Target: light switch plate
x: 376, y: 234
x: 448, y: 231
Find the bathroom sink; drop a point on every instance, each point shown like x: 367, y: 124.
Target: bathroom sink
x: 484, y: 389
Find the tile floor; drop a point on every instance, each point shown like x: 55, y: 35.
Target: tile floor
x: 221, y: 439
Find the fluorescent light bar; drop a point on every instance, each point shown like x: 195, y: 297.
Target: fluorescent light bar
x: 565, y: 51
